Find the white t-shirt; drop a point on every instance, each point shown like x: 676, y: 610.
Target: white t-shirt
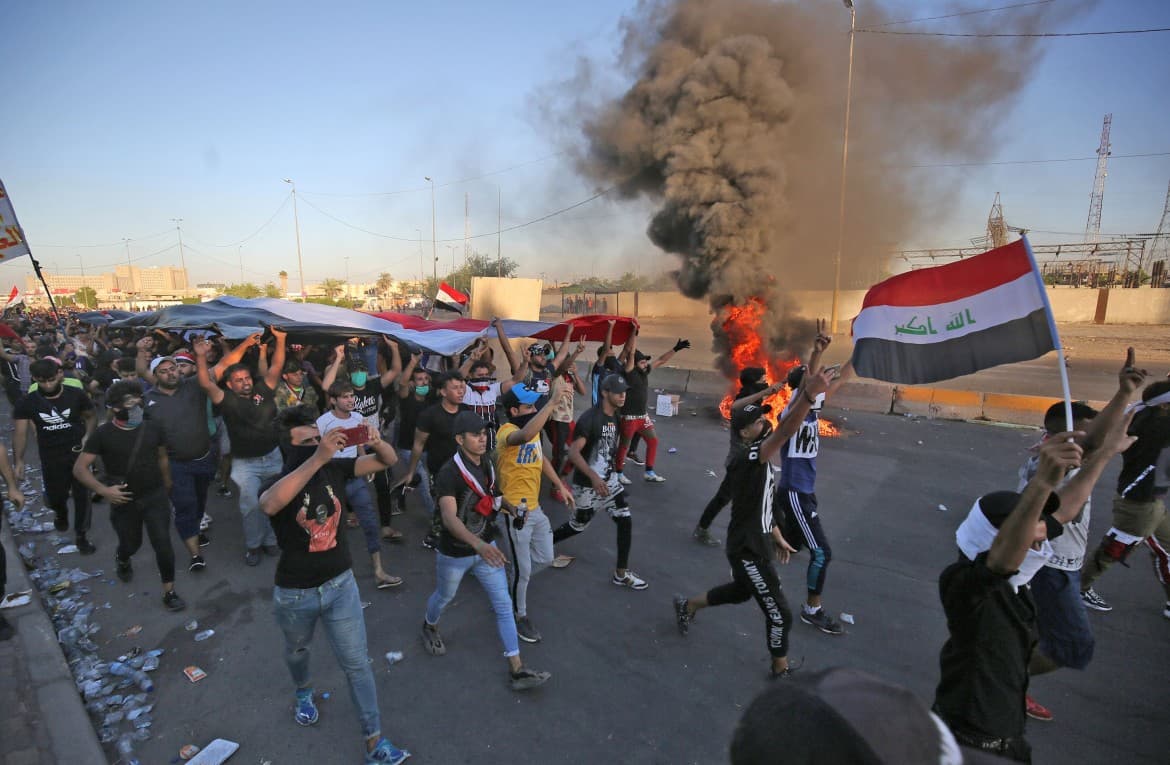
x: 329, y: 421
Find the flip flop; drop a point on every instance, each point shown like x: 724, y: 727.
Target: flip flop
x: 389, y: 581
x: 15, y: 600
x: 562, y: 561
x: 393, y: 535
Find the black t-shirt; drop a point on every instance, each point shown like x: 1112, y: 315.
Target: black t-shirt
x: 249, y: 421
x: 59, y: 421
x: 985, y: 660
x: 311, y: 550
x: 439, y: 425
x: 368, y: 400
x: 752, y: 494
x: 182, y: 415
x: 601, y: 439
x: 114, y: 445
x: 638, y: 392
x: 450, y: 483
x: 409, y: 409
x: 1139, y: 462
x: 599, y: 372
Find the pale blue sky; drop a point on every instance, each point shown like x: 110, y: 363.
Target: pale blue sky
x: 123, y: 115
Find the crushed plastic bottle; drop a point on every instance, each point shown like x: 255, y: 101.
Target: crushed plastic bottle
x: 201, y: 636
x: 150, y: 664
x: 134, y: 675
x: 191, y: 626
x: 393, y: 657
x: 125, y: 749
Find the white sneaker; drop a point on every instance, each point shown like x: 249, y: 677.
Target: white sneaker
x: 623, y: 480
x: 1166, y: 610
x: 653, y: 477
x: 205, y: 522
x: 631, y: 580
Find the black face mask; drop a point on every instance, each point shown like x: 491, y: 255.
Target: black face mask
x: 296, y: 455
x: 521, y: 420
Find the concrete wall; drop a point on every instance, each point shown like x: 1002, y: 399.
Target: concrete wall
x: 509, y: 298
x: 1143, y: 305
x: 1073, y: 305
x: 670, y: 304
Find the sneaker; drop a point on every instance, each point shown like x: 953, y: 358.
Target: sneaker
x: 525, y: 631
x: 653, y: 477
x: 682, y: 615
x: 204, y: 540
x: 224, y: 490
x: 1166, y: 610
x: 306, y: 711
x: 1036, y: 711
x: 385, y: 752
x: 61, y: 523
x: 205, y: 522
x: 635, y: 459
x: 252, y: 557
x: 432, y: 640
x: 822, y: 621
x: 1094, y: 601
x: 172, y: 601
x: 782, y: 674
x: 123, y: 569
x: 631, y: 580
x: 430, y: 541
x: 197, y: 563
x: 703, y: 536
x: 84, y: 546
x: 623, y: 480
x: 525, y: 679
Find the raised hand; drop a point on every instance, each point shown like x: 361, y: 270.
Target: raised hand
x: 1130, y: 378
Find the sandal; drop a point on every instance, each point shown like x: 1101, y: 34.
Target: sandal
x: 391, y: 535
x: 562, y: 561
x: 16, y: 599
x: 386, y: 581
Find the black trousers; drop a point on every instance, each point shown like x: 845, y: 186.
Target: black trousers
x: 753, y: 577
x: 57, y: 473
x: 154, y: 513
x: 717, y: 503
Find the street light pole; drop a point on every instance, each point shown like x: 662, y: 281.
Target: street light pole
x: 182, y: 257
x: 297, y: 226
x: 844, y: 165
x: 434, y: 245
x: 81, y: 261
x: 347, y: 294
x: 499, y: 231
x: 129, y: 275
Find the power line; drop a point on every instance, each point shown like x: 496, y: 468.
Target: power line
x: 953, y: 15
x: 1092, y: 158
x: 1018, y: 34
x: 461, y: 181
x: 118, y: 243
x: 251, y: 236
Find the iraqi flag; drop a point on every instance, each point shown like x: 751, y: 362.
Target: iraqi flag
x: 450, y: 298
x: 937, y: 323
x: 14, y: 298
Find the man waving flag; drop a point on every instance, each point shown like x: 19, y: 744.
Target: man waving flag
x: 937, y: 323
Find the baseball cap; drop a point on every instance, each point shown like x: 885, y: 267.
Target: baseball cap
x: 519, y: 394
x: 639, y: 356
x: 744, y: 416
x: 614, y: 384
x: 845, y: 715
x: 467, y: 422
x: 796, y: 376
x: 154, y: 363
x: 542, y: 348
x: 183, y: 356
x: 291, y: 366
x: 998, y: 505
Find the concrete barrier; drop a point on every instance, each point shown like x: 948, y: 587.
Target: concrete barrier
x: 864, y: 397
x: 1023, y: 410
x: 957, y: 404
x: 914, y: 401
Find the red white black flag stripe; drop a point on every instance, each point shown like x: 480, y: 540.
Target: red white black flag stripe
x: 953, y: 320
x: 450, y: 298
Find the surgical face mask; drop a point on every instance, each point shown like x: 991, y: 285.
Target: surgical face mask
x: 358, y: 379
x: 1033, y: 562
x: 422, y: 390
x: 131, y: 417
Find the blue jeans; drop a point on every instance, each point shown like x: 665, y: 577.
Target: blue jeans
x: 449, y: 572
x: 190, y: 481
x: 338, y: 605
x: 357, y: 496
x: 424, y: 488
x: 249, y: 473
x: 1066, y: 636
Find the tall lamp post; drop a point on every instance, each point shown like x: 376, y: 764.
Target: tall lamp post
x: 81, y: 262
x: 844, y: 165
x: 182, y: 257
x: 434, y: 246
x: 297, y: 227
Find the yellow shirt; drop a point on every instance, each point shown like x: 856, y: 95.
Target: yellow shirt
x: 519, y: 467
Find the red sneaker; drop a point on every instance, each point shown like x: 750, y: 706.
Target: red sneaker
x: 1037, y: 711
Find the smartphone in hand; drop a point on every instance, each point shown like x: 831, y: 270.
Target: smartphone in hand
x: 356, y: 436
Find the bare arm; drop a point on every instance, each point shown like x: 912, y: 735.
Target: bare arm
x: 798, y: 407
x: 1017, y: 532
x: 281, y: 493
x: 406, y: 381
x: 491, y: 555
x: 142, y: 361
x: 563, y: 352
x: 517, y: 378
x: 549, y: 472
x: 19, y: 445
x: 276, y: 363
x: 395, y: 369
x: 505, y: 344
x: 15, y: 495
x: 629, y: 352
x: 1130, y: 380
x: 536, y: 424
x: 768, y: 392
x: 233, y: 356
x: 115, y: 495
x: 333, y: 368
x: 382, y: 455
x: 214, y: 392
x: 608, y: 343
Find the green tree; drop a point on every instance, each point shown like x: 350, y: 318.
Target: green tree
x: 272, y: 291
x: 86, y: 296
x: 245, y: 290
x: 384, y: 283
x: 333, y: 287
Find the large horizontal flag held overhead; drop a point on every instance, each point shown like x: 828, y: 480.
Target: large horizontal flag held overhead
x: 450, y: 298
x: 937, y: 323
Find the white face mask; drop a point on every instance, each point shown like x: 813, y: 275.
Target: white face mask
x: 1033, y: 562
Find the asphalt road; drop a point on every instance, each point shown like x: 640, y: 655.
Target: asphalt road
x: 626, y: 687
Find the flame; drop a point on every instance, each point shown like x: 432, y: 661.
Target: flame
x: 741, y: 324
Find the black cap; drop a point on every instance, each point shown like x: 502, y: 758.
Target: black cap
x: 639, y: 356
x: 744, y: 416
x: 467, y: 422
x: 796, y: 376
x: 614, y: 384
x: 844, y: 715
x: 751, y: 375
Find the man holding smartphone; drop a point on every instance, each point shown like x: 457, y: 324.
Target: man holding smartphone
x: 341, y: 414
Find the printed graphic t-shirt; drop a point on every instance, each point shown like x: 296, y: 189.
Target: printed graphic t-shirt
x: 311, y: 550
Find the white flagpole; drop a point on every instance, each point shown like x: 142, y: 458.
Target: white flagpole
x: 1068, y: 415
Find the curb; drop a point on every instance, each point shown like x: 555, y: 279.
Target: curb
x: 71, y: 733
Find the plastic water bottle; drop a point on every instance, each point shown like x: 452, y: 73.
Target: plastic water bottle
x: 201, y: 636
x: 521, y: 514
x: 125, y: 670
x: 125, y: 748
